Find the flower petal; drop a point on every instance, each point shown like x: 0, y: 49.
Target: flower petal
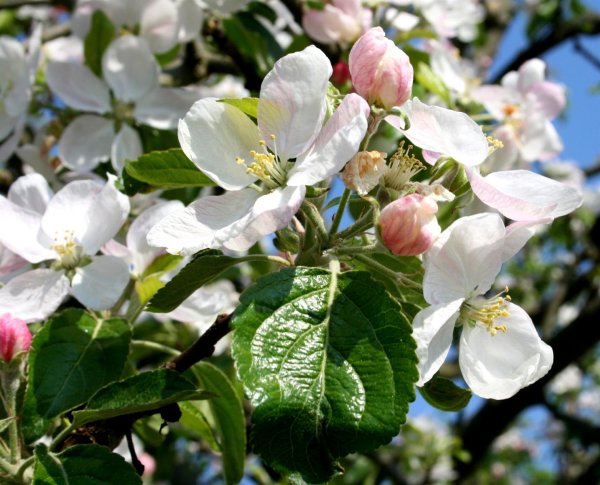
x: 31, y: 192
x: 129, y: 68
x: 99, y: 284
x: 35, y: 295
x: 86, y: 142
x: 162, y: 108
x: 158, y: 25
x: 292, y: 101
x: 213, y: 135
x: 445, y: 131
x: 522, y: 195
x: 126, y: 146
x: 432, y: 331
x: 498, y: 366
x: 78, y: 87
x: 337, y: 143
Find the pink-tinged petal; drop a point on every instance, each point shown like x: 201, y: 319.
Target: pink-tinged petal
x: 129, y: 68
x: 550, y: 98
x: 539, y: 139
x: 465, y: 258
x: 495, y: 99
x: 86, y: 142
x: 432, y: 331
x: 206, y: 223
x: 442, y: 130
x: 162, y: 108
x: 190, y: 17
x: 143, y: 254
x: 99, y: 284
x: 292, y: 101
x: 78, y: 87
x: 213, y: 135
x: 270, y: 213
x: 159, y: 25
x: 127, y: 145
x: 31, y: 192
x: 337, y: 143
x: 530, y: 73
x: 15, y: 337
x: 331, y: 25
x: 22, y: 238
x: 522, y: 195
x: 498, y: 366
x: 35, y: 295
x: 115, y: 248
x: 9, y: 261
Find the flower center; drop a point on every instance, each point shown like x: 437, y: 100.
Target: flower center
x: 266, y: 166
x: 403, y: 166
x: 68, y: 251
x: 509, y: 109
x: 485, y: 311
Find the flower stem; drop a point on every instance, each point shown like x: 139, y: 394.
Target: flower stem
x: 401, y: 278
x: 337, y: 219
x: 147, y: 344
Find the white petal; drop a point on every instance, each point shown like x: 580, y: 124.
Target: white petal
x: 99, y: 284
x: 522, y: 195
x: 213, y: 135
x: 465, y: 258
x: 9, y: 262
x: 270, y: 213
x: 158, y: 25
x: 86, y: 142
x: 126, y: 146
x: 190, y: 18
x: 78, y: 87
x: 129, y: 68
x: 10, y: 144
x: 22, y: 238
x: 445, y: 131
x: 142, y: 253
x: 497, y: 366
x: 337, y: 143
x: 35, y: 295
x: 206, y: 223
x: 292, y: 101
x: 531, y: 72
x: 432, y: 331
x: 517, y: 235
x: 31, y: 192
x: 162, y: 108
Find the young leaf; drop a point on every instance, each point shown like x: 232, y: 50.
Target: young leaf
x: 193, y: 419
x: 101, y: 34
x: 445, y: 395
x: 145, y: 392
x: 245, y: 105
x: 168, y: 169
x: 205, y: 267
x: 329, y: 364
x: 229, y: 417
x: 71, y: 357
x: 82, y: 465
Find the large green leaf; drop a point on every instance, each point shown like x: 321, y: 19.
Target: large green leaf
x: 205, y: 267
x: 71, y: 357
x: 145, y: 392
x: 445, y: 395
x: 82, y: 465
x: 329, y: 363
x: 167, y: 169
x: 229, y: 418
x: 101, y: 34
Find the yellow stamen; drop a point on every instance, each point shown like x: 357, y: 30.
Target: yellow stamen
x: 403, y: 166
x: 486, y: 311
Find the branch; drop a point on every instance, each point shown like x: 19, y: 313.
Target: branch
x: 585, y: 53
x: 586, y: 24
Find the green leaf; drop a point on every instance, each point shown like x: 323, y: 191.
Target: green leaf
x: 82, y: 465
x: 445, y: 395
x: 205, y: 267
x: 168, y: 169
x: 101, y: 34
x: 165, y: 58
x: 71, y: 357
x: 245, y: 105
x: 329, y: 363
x: 193, y: 419
x: 229, y: 419
x: 162, y: 264
x: 147, y: 391
x: 430, y: 80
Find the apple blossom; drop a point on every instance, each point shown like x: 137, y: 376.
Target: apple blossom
x: 67, y: 230
x: 218, y: 138
x: 500, y: 351
x: 409, y: 226
x: 15, y: 337
x: 340, y: 21
x: 363, y: 172
x: 381, y: 72
x: 450, y: 18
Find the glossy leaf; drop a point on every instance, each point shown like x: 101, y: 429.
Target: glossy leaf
x: 145, y: 392
x: 193, y: 420
x: 101, y: 34
x: 248, y: 106
x: 445, y: 395
x: 82, y: 465
x: 328, y: 362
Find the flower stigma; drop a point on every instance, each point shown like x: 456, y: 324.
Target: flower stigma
x: 485, y: 311
x: 403, y: 166
x: 266, y: 166
x: 69, y: 252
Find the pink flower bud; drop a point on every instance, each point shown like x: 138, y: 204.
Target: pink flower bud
x: 409, y: 226
x: 381, y: 72
x: 341, y: 74
x: 15, y: 337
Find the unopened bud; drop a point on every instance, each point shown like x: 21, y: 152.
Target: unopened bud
x: 381, y: 72
x: 409, y: 226
x: 341, y: 74
x: 15, y: 337
x: 363, y: 172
